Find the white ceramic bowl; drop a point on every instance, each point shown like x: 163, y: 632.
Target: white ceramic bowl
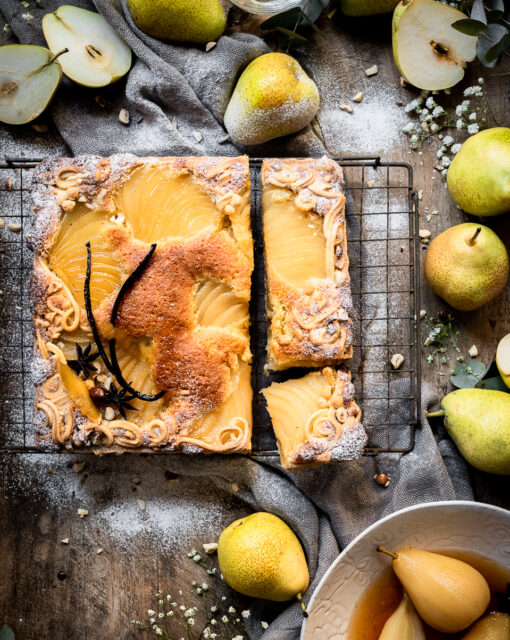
x: 458, y: 525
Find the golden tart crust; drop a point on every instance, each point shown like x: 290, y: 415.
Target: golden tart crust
x: 309, y: 300
x: 181, y: 328
x: 316, y: 419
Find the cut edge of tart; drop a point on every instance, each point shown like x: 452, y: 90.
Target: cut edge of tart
x: 309, y: 301
x: 316, y: 419
x: 140, y: 293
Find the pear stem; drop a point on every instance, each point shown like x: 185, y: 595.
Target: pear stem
x: 57, y: 55
x: 389, y: 553
x: 475, y: 236
x: 436, y: 414
x: 303, y: 605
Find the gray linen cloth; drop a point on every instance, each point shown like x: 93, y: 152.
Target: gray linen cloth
x: 171, y: 92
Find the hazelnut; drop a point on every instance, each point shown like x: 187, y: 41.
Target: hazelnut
x: 383, y: 479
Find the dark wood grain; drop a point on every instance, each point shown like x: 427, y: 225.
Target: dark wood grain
x: 101, y: 593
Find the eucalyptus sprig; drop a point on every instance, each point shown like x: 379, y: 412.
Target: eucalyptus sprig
x: 442, y: 335
x: 292, y: 23
x: 490, y: 21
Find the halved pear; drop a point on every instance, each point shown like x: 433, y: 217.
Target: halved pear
x: 97, y: 55
x: 29, y: 77
x: 503, y: 359
x: 429, y: 53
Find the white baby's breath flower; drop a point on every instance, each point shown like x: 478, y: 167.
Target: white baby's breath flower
x: 200, y: 591
x: 437, y: 111
x: 197, y: 557
x: 224, y: 619
x: 481, y: 81
x: 231, y: 610
x: 159, y: 632
x: 27, y: 16
x: 440, y: 153
x: 245, y: 613
x: 214, y: 608
x: 408, y: 128
x: 445, y: 161
x: 150, y: 612
x: 152, y: 620
x: 473, y: 128
x: 205, y: 586
x: 161, y: 614
x: 434, y: 128
x: 430, y: 103
x: 191, y: 622
x: 458, y: 110
x: 414, y: 138
x: 411, y: 106
x: 264, y: 625
x: 448, y: 141
x: 455, y: 148
x: 169, y: 614
x: 460, y: 124
x: 473, y: 116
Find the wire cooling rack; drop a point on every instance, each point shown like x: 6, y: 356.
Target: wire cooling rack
x: 382, y: 234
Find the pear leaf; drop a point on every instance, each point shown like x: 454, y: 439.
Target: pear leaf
x: 6, y: 633
x: 494, y: 384
x: 467, y: 375
x: 470, y: 27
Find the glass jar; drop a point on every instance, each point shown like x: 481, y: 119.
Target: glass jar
x: 266, y: 6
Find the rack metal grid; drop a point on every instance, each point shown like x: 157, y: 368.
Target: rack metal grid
x: 382, y: 232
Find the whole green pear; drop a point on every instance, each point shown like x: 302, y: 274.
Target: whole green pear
x: 367, y: 7
x: 197, y: 21
x: 466, y: 265
x: 273, y: 97
x: 478, y: 420
x: 479, y: 175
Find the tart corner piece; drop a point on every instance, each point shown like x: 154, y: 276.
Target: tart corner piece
x: 316, y: 419
x: 181, y: 325
x: 309, y: 300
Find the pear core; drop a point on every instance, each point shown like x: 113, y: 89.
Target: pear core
x: 261, y: 557
x: 479, y: 175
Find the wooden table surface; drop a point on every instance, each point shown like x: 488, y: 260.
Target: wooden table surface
x: 49, y: 589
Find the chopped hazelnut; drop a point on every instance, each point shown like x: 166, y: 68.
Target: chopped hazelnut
x: 396, y: 360
x: 358, y: 97
x: 372, y: 71
x: 346, y: 107
x: 473, y: 352
x: 383, y: 479
x: 210, y: 45
x: 124, y: 116
x: 82, y: 513
x: 210, y: 547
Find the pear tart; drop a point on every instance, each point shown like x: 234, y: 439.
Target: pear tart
x: 140, y: 294
x: 316, y: 419
x: 307, y: 267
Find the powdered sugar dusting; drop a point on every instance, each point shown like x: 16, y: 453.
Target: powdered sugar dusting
x: 375, y: 125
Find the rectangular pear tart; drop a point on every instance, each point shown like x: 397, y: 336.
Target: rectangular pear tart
x: 140, y: 293
x: 307, y: 267
x: 316, y: 419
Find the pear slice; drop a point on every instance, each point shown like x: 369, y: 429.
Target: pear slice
x: 97, y: 55
x: 503, y: 359
x: 429, y: 53
x: 29, y: 77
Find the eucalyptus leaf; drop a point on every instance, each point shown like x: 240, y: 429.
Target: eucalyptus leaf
x: 494, y: 52
x: 286, y: 19
x: 496, y: 5
x: 293, y: 35
x: 496, y: 33
x: 478, y: 12
x: 468, y: 374
x: 470, y: 27
x: 495, y: 384
x: 6, y: 633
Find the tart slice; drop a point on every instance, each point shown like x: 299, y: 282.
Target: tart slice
x: 140, y: 296
x: 307, y: 267
x: 315, y: 419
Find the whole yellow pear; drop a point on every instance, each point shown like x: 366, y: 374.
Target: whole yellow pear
x: 479, y: 175
x: 261, y: 557
x: 466, y: 265
x: 495, y: 626
x: 448, y: 594
x: 273, y: 97
x: 197, y: 21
